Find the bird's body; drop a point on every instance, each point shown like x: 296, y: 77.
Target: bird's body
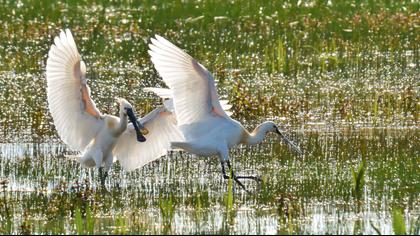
x: 211, y: 136
x: 99, y: 151
x: 101, y: 138
x: 216, y: 135
x: 206, y: 127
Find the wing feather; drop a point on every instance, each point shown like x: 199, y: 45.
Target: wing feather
x: 162, y: 131
x: 193, y: 87
x: 75, y: 115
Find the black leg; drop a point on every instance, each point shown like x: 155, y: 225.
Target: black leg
x: 236, y: 178
x: 225, y: 176
x: 102, y: 176
x: 256, y: 178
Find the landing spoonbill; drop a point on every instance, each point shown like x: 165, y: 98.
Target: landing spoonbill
x: 100, y: 137
x: 207, y: 129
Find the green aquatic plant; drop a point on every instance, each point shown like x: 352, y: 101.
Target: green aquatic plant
x: 90, y: 221
x: 84, y: 225
x: 167, y: 210
x: 358, y: 183
x: 415, y: 226
x: 288, y: 208
x: 334, y: 73
x: 398, y: 224
x: 25, y: 226
x: 6, y: 211
x: 229, y: 198
x: 120, y: 225
x: 78, y: 221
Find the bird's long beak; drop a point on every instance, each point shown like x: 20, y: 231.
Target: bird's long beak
x: 289, y: 142
x: 137, y: 125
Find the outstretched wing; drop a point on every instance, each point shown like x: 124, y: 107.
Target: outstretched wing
x: 163, y: 130
x: 193, y: 88
x: 75, y: 115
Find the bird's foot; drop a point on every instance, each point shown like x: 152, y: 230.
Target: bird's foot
x: 256, y: 178
x: 238, y: 182
x: 236, y: 178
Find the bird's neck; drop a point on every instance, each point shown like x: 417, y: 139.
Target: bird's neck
x: 256, y: 136
x: 122, y: 124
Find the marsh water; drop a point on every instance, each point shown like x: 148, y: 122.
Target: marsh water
x: 342, y: 79
x: 309, y: 194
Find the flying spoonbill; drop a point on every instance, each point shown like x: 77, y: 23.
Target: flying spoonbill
x: 100, y: 137
x: 207, y: 129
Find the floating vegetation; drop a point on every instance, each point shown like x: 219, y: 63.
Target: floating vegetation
x: 341, y: 76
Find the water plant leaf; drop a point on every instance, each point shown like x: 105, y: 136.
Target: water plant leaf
x: 78, y: 221
x: 359, y: 180
x: 398, y: 224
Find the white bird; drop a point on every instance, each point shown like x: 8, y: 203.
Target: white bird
x: 207, y: 129
x: 101, y: 138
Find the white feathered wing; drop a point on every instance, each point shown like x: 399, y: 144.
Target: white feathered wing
x: 195, y: 96
x: 75, y: 115
x: 163, y: 130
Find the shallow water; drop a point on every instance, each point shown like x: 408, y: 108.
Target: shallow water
x: 309, y: 194
x: 341, y: 77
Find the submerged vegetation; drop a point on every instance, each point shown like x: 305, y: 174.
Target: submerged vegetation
x: 341, y: 76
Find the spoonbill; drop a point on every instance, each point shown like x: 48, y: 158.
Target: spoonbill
x: 100, y: 137
x: 206, y: 128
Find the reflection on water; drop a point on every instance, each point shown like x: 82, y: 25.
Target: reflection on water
x: 179, y: 193
x: 305, y: 64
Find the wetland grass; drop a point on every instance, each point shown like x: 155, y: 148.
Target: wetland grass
x: 398, y: 224
x: 358, y: 180
x: 340, y: 76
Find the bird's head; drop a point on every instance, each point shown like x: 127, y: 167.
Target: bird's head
x: 127, y: 110
x: 125, y: 106
x: 270, y: 126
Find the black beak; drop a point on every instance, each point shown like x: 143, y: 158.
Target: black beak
x: 290, y: 143
x: 136, y: 124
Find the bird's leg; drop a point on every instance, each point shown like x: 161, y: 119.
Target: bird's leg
x: 256, y: 178
x: 225, y: 176
x: 102, y: 175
